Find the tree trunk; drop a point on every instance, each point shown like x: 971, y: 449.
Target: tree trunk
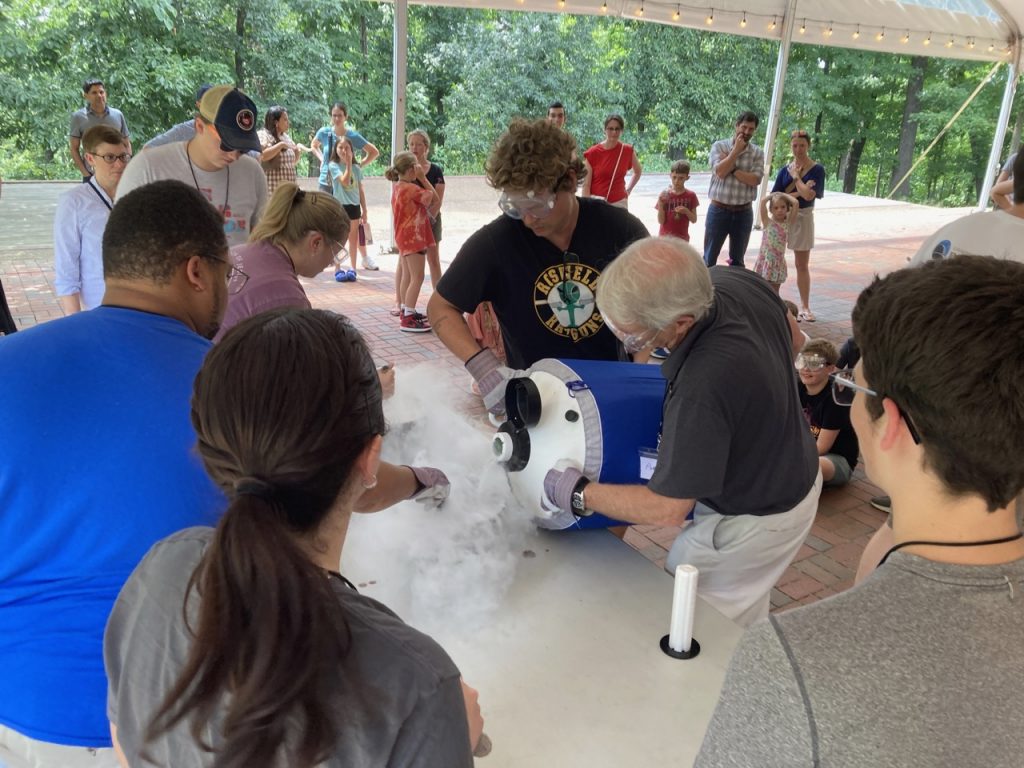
x: 851, y: 162
x: 1015, y: 137
x: 908, y: 131
x: 362, y: 46
x: 240, y: 17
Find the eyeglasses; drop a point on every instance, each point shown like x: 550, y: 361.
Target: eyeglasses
x: 809, y: 362
x: 845, y: 388
x: 236, y: 278
x: 633, y: 342
x: 539, y: 205
x: 338, y: 250
x: 124, y: 157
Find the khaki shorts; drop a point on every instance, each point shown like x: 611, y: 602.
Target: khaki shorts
x: 801, y: 231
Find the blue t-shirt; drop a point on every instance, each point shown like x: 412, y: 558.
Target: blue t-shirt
x: 327, y: 140
x: 346, y: 195
x: 97, y: 463
x: 816, y: 174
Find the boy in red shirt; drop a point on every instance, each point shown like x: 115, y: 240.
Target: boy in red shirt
x: 677, y: 205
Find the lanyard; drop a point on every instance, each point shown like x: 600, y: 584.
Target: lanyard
x: 100, y: 195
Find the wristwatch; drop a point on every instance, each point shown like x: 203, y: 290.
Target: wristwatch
x: 579, y: 505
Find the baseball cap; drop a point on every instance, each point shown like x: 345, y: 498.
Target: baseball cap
x: 233, y: 114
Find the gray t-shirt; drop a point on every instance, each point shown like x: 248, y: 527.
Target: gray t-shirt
x: 733, y: 433
x: 238, y: 191
x: 921, y: 665
x: 180, y: 132
x: 83, y: 119
x: 399, y: 692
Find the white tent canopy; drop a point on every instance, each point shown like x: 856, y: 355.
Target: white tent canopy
x: 981, y: 30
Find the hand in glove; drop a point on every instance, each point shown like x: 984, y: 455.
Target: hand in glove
x: 558, y: 487
x: 432, y: 486
x: 491, y: 376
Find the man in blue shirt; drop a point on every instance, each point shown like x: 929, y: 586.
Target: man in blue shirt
x: 97, y: 464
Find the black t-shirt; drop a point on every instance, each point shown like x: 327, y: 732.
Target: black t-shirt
x: 434, y: 175
x: 733, y: 435
x: 822, y: 412
x: 544, y: 298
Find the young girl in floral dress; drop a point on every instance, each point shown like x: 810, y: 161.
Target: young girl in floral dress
x: 777, y: 212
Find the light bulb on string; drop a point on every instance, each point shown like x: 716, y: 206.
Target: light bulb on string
x: 711, y: 18
x: 803, y: 27
x: 906, y: 37
x: 828, y: 32
x: 856, y: 34
x: 640, y: 10
x: 743, y: 21
x: 928, y: 40
x: 675, y: 16
x: 774, y: 23
x: 881, y: 35
x: 949, y: 43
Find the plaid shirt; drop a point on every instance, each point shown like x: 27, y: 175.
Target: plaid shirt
x: 277, y: 172
x: 731, y: 190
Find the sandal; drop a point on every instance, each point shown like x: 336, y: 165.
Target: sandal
x: 805, y: 314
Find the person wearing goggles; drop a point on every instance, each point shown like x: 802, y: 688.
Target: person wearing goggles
x: 734, y: 449
x: 827, y: 410
x: 537, y: 264
x: 214, y: 161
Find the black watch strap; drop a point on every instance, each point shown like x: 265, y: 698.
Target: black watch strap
x: 579, y: 506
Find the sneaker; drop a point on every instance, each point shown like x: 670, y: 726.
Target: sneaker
x: 659, y: 353
x: 413, y: 324
x: 882, y: 504
x: 341, y: 276
x: 369, y: 264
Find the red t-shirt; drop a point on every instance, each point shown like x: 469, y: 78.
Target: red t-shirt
x: 412, y: 223
x: 676, y: 224
x: 603, y: 164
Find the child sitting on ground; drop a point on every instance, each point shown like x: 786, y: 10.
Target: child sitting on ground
x: 777, y: 212
x: 677, y: 205
x: 829, y: 421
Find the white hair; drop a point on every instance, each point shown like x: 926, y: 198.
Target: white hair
x: 654, y: 282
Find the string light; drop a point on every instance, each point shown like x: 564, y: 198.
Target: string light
x: 774, y: 23
x: 906, y: 37
x: 803, y: 27
x: 561, y: 3
x: 640, y: 10
x: 949, y: 43
x: 604, y: 7
x: 828, y: 32
x: 928, y: 40
x: 991, y: 47
x: 970, y: 43
x: 743, y: 21
x: 856, y: 34
x: 711, y: 18
x: 881, y: 35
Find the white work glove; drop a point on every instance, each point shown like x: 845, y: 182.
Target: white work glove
x: 491, y: 376
x: 433, y: 486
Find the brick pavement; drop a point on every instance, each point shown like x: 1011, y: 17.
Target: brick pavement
x: 856, y: 237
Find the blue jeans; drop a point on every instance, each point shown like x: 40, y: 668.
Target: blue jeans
x: 722, y: 223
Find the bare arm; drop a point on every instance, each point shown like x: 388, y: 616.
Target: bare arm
x: 70, y: 304
x: 370, y: 153
x: 765, y: 202
x: 117, y: 747
x: 395, y: 483
x: 1002, y: 194
x: 636, y: 504
x: 450, y: 327
x: 585, y: 191
x: 315, y: 147
x: 436, y: 209
x: 795, y: 332
x: 76, y: 156
x: 794, y: 207
x: 662, y: 202
x: 273, y: 151
x: 637, y: 172
x: 691, y: 214
x: 826, y: 439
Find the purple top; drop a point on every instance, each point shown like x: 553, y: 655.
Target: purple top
x: 272, y: 283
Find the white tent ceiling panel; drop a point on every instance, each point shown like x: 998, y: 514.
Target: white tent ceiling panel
x: 959, y: 29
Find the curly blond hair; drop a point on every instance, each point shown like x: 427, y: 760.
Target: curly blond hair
x: 534, y: 154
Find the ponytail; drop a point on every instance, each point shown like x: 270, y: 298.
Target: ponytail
x: 271, y: 632
x: 292, y: 212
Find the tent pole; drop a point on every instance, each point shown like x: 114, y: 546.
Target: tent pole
x: 772, y: 129
x: 399, y: 80
x: 1004, y: 117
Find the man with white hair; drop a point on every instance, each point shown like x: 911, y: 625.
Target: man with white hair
x: 734, y: 447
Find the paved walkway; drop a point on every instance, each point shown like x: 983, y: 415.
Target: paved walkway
x: 856, y: 238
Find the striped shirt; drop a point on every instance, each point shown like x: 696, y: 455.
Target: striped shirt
x: 731, y: 190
